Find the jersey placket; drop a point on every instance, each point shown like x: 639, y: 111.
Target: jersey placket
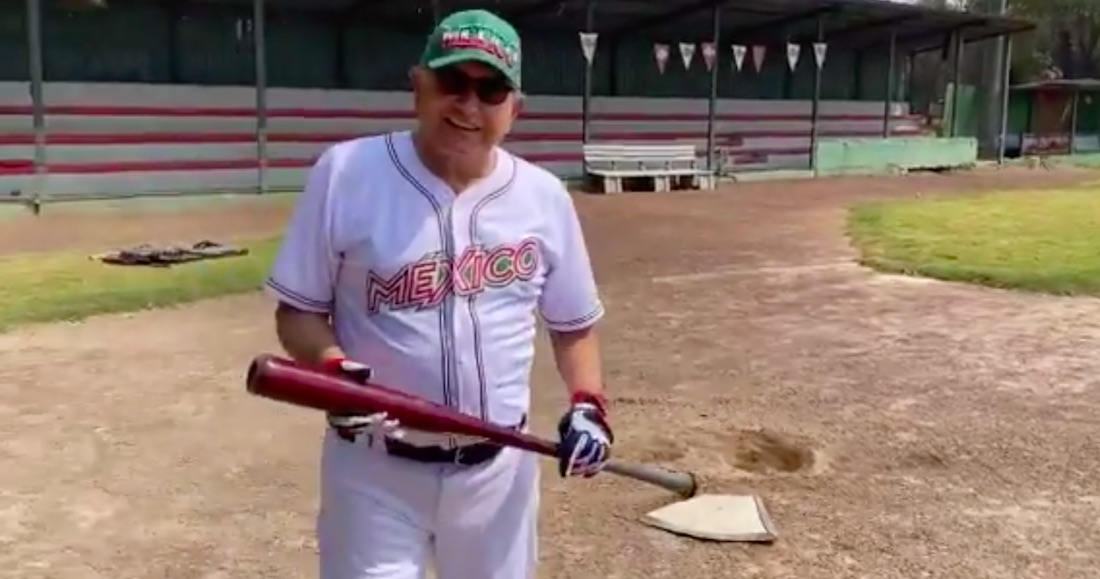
x: 465, y: 286
x: 452, y: 356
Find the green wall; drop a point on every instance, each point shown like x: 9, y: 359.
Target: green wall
x: 1088, y: 113
x: 884, y: 156
x: 209, y: 44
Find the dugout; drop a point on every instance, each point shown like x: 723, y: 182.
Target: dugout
x: 1054, y: 117
x: 368, y: 45
x: 337, y: 43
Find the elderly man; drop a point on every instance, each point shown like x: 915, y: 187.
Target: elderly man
x: 420, y: 259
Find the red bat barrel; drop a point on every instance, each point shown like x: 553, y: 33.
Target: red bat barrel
x: 293, y: 383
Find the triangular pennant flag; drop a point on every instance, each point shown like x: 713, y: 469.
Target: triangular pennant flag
x: 758, y: 53
x: 819, y: 53
x: 793, y: 51
x: 739, y: 55
x: 687, y: 52
x: 588, y: 45
x: 660, y: 53
x: 710, y: 54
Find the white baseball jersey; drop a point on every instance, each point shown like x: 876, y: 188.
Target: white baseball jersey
x: 437, y: 292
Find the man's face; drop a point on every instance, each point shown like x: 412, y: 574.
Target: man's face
x: 466, y: 109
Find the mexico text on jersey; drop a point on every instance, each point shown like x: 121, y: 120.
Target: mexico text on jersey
x: 425, y: 283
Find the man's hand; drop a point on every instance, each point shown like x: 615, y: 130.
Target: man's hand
x: 351, y: 426
x: 586, y: 437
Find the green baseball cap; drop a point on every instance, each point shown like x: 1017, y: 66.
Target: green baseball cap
x: 475, y: 36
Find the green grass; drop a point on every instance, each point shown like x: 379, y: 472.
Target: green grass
x: 70, y: 286
x: 1042, y: 241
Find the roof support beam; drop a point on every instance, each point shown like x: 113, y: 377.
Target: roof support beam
x: 771, y: 27
x: 923, y: 34
x: 424, y: 12
x: 358, y: 9
x: 655, y: 20
x: 874, y: 25
x: 979, y: 38
x: 542, y: 6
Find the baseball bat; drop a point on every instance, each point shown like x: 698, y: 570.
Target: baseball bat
x: 287, y: 381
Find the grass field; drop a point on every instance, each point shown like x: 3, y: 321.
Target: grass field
x: 70, y: 286
x: 1044, y: 241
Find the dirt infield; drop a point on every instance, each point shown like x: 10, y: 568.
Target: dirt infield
x: 65, y: 227
x: 896, y: 428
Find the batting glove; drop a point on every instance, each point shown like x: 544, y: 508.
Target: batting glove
x: 586, y: 437
x: 351, y: 426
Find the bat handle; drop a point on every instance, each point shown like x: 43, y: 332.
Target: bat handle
x: 681, y: 483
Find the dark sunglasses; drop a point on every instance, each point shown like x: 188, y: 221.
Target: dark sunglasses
x: 491, y: 90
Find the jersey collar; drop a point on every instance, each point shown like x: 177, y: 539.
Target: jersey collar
x: 409, y: 160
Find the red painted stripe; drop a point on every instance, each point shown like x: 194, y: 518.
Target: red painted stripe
x: 163, y: 138
x: 16, y: 166
x: 11, y: 168
x: 147, y: 166
x: 313, y: 113
x: 174, y: 138
x: 26, y: 167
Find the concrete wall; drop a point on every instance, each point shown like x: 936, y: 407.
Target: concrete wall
x: 884, y: 156
x: 126, y: 138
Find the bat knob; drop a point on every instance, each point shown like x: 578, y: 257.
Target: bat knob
x: 251, y: 382
x: 691, y: 489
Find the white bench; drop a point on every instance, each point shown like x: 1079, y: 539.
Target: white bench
x: 610, y: 163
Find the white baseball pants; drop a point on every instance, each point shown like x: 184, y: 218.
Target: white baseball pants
x: 384, y: 517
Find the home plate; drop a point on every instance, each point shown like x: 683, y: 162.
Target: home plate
x: 740, y: 518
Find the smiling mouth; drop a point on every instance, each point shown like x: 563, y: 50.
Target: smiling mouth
x: 460, y: 126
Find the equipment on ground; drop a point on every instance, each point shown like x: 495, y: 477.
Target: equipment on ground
x: 167, y: 256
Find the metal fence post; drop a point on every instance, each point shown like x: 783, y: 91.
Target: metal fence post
x: 956, y: 82
x: 1006, y: 70
x: 890, y: 74
x: 815, y: 105
x: 586, y: 95
x: 38, y: 105
x: 259, y: 44
x: 712, y: 102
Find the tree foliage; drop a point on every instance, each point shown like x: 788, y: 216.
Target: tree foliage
x: 1066, y: 43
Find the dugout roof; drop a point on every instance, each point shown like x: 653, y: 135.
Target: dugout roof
x: 853, y: 23
x: 1060, y: 85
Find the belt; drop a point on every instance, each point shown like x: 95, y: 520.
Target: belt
x: 468, y: 455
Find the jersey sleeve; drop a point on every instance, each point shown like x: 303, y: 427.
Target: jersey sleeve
x: 570, y: 299
x: 304, y: 273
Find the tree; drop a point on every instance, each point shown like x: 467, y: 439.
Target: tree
x: 1067, y: 41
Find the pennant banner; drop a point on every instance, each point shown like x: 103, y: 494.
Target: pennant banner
x: 820, y: 48
x: 739, y: 56
x: 660, y: 53
x: 588, y: 45
x: 758, y: 53
x: 710, y: 54
x: 687, y: 53
x: 793, y: 51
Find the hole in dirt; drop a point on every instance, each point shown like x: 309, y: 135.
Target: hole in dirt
x: 665, y: 454
x: 659, y: 449
x: 763, y: 452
